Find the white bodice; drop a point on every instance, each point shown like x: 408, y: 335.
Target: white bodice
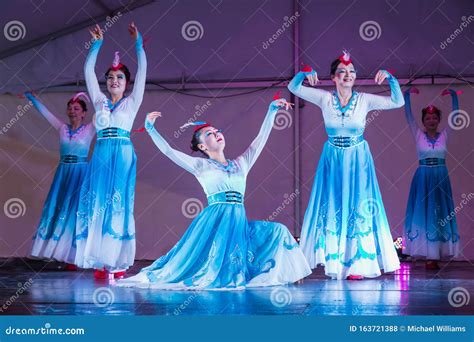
x: 76, y: 143
x: 427, y: 148
x: 352, y: 122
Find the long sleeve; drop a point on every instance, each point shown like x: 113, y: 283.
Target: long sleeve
x: 409, y: 114
x: 140, y: 80
x: 181, y: 159
x: 455, y: 108
x: 52, y: 119
x: 92, y: 83
x: 395, y: 100
x: 249, y: 157
x: 312, y: 95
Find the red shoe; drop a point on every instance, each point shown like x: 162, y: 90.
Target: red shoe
x: 355, y: 277
x: 101, y: 274
x: 119, y: 275
x: 432, y: 265
x: 70, y: 267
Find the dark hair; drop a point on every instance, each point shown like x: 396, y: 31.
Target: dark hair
x: 335, y: 63
x: 123, y: 69
x: 81, y: 102
x: 434, y: 110
x: 195, y: 141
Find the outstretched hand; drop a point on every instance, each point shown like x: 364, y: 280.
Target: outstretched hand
x: 312, y: 79
x: 132, y: 29
x: 96, y: 32
x: 380, y: 76
x: 282, y: 103
x: 450, y: 91
x: 151, y: 117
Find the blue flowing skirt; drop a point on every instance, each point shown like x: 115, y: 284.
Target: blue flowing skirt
x: 106, y: 225
x: 430, y: 224
x: 222, y: 250
x: 345, y: 227
x: 55, y: 236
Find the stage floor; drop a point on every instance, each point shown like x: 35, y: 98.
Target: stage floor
x: 411, y: 291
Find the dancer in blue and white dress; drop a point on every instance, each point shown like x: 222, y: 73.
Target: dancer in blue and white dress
x: 55, y: 236
x: 430, y: 224
x: 345, y: 227
x: 106, y: 225
x: 221, y: 249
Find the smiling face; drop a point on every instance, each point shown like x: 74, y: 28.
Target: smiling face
x: 116, y: 83
x: 211, y: 140
x: 431, y: 121
x: 75, y: 112
x: 344, y: 76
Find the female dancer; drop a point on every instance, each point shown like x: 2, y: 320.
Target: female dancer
x: 430, y: 229
x: 55, y: 236
x: 222, y: 249
x: 345, y: 227
x: 106, y: 226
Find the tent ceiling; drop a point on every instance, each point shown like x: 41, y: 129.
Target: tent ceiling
x: 235, y: 38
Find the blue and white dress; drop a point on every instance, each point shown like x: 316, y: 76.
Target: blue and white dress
x: 106, y: 225
x: 55, y: 236
x: 430, y: 225
x: 345, y: 227
x: 221, y: 249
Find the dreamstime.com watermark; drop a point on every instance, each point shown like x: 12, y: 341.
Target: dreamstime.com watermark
x: 46, y: 330
x: 109, y: 22
x: 21, y: 110
x: 457, y: 209
x: 288, y: 21
x: 464, y: 24
x: 286, y: 202
x: 185, y: 304
x: 199, y: 111
x: 21, y: 288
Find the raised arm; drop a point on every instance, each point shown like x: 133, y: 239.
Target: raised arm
x: 312, y: 95
x: 395, y: 100
x: 455, y: 106
x: 140, y: 79
x: 52, y: 119
x: 181, y: 159
x: 249, y: 157
x: 408, y: 112
x: 89, y: 67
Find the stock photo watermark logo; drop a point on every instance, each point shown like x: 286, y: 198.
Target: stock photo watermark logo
x: 458, y: 297
x: 14, y: 30
x: 373, y: 115
x: 288, y: 21
x: 101, y: 119
x: 21, y: 288
x: 109, y: 22
x: 200, y: 109
x: 21, y: 110
x: 458, y: 119
x: 281, y: 297
x: 464, y: 24
x: 369, y: 207
x: 46, y: 330
x: 370, y: 30
x: 283, y: 120
x: 288, y: 199
x: 191, y: 208
x: 192, y: 30
x: 185, y: 304
x: 14, y: 208
x: 466, y: 199
x: 103, y: 296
